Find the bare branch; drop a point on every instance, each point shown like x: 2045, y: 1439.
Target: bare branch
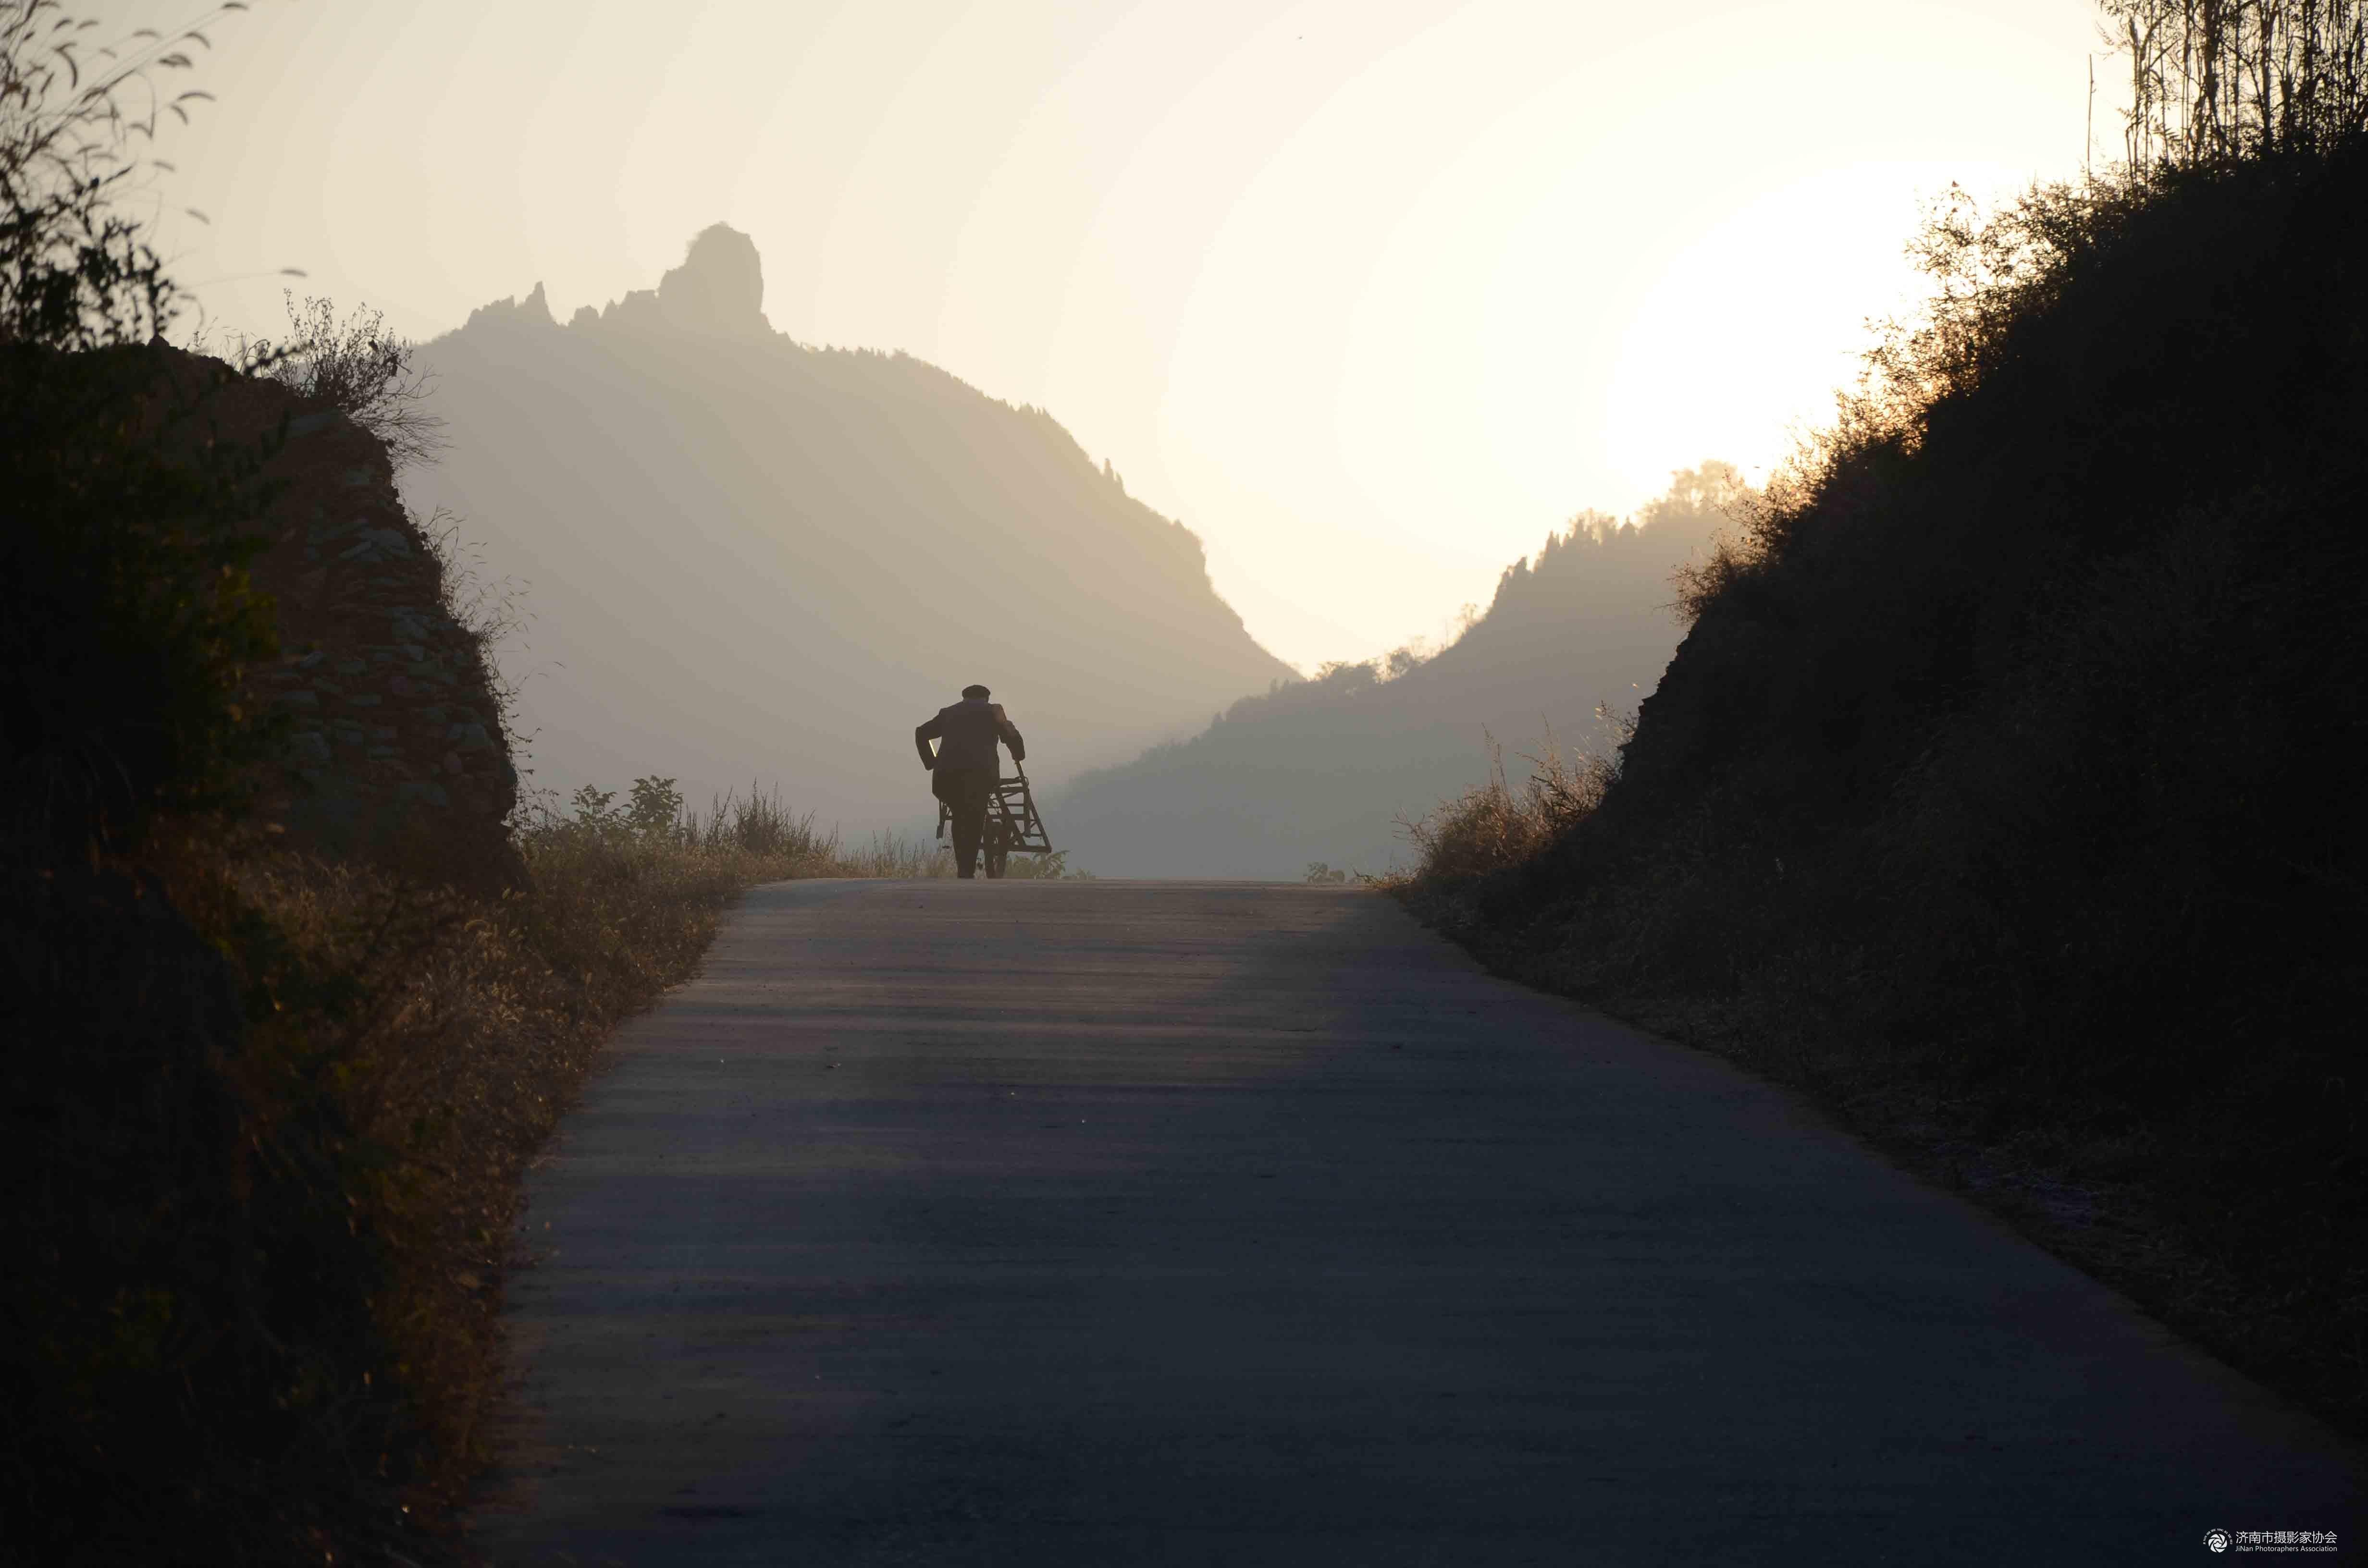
x: 357, y: 366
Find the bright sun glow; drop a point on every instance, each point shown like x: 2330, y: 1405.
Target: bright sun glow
x: 1371, y: 294
x: 1732, y: 360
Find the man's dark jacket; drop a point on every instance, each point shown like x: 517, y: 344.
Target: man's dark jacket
x: 966, y: 733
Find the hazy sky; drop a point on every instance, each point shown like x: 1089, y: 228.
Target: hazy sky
x: 1371, y: 294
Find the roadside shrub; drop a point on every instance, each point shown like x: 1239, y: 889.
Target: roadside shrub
x: 262, y: 1117
x: 758, y: 824
x: 2000, y: 790
x: 1051, y: 868
x: 256, y: 1311
x: 359, y: 367
x: 1496, y: 828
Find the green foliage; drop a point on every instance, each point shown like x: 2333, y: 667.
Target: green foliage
x: 653, y: 809
x: 127, y: 620
x: 656, y: 806
x: 595, y: 808
x: 1051, y: 868
x: 74, y: 272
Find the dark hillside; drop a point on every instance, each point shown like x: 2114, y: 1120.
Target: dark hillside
x: 1323, y: 770
x: 2008, y: 779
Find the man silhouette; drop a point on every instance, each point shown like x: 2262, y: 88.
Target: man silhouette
x: 964, y: 769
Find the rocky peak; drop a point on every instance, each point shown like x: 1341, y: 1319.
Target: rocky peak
x: 532, y: 311
x: 718, y: 291
x: 719, y: 288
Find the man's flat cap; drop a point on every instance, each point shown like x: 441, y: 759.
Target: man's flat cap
x: 979, y: 692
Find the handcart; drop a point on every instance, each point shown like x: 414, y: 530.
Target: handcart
x: 1012, y: 825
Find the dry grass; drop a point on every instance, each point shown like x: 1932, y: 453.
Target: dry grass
x: 1498, y: 828
x: 894, y: 855
x: 501, y: 1023
x: 450, y: 1034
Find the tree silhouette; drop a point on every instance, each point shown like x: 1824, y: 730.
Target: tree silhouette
x: 2212, y: 80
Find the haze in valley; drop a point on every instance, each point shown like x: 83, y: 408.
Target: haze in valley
x: 1128, y: 358
x: 1339, y: 770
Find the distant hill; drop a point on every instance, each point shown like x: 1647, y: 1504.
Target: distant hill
x: 1321, y: 770
x: 746, y: 557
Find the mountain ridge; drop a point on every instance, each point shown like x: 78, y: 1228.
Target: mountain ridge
x: 748, y: 556
x: 1324, y: 769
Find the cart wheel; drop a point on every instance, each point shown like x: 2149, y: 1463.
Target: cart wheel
x: 997, y: 857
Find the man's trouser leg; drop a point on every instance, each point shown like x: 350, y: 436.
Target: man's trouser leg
x: 965, y: 791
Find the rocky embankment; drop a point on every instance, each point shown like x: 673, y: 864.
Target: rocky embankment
x: 396, y: 751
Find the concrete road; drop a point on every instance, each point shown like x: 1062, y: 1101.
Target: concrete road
x: 1122, y: 1223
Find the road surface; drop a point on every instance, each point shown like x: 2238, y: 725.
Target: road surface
x: 1107, y: 1223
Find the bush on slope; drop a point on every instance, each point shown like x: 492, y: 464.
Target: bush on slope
x: 262, y: 1111
x: 2006, y: 781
